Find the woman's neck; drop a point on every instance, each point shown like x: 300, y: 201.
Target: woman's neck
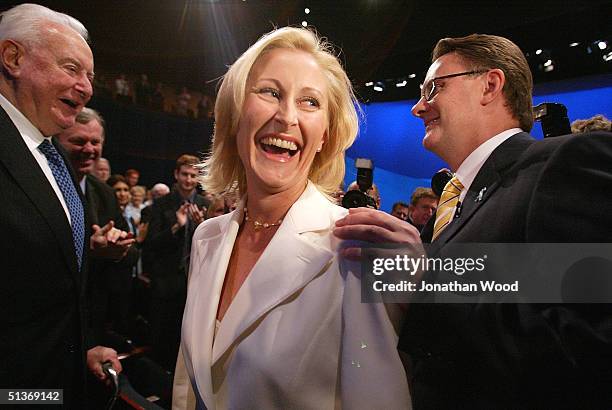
x: 271, y: 207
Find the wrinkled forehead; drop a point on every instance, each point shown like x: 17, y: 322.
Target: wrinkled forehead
x: 65, y: 40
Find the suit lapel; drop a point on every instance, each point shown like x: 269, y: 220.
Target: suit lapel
x: 212, y: 256
x: 288, y: 263
x: 93, y: 204
x: 487, y: 181
x: 22, y: 165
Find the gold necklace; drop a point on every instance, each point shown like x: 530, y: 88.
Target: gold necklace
x: 258, y: 224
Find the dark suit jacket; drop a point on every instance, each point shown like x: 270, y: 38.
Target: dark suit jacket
x: 165, y: 249
x: 41, y: 296
x: 104, y: 275
x: 531, y: 355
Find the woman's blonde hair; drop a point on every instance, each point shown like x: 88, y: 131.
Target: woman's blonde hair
x: 222, y: 170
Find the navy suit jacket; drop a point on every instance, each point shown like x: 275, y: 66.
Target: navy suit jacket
x: 557, y: 190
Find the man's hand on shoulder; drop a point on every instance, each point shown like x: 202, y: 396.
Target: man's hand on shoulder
x: 370, y: 225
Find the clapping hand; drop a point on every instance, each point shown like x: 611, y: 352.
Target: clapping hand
x: 108, y: 242
x: 195, y: 214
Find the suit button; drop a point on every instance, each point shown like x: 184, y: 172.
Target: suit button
x: 70, y: 348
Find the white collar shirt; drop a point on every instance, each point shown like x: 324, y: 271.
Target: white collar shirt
x: 469, y: 168
x: 33, y: 138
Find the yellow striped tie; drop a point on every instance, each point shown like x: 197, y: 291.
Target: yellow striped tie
x: 447, y: 205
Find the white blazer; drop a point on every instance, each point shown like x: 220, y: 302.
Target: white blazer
x: 296, y: 335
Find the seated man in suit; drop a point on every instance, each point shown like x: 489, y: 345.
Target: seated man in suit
x: 167, y: 247
x: 476, y: 107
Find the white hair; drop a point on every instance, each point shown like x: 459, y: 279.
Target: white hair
x: 23, y: 23
x: 161, y: 188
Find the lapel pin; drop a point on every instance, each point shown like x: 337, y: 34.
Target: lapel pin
x: 481, y: 194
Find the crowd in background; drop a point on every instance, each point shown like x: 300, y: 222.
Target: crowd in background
x: 156, y: 96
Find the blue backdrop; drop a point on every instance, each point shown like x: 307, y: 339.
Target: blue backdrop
x: 391, y: 136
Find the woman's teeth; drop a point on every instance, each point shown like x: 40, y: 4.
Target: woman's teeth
x: 277, y: 142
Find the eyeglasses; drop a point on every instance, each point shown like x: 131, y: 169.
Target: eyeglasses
x: 429, y: 90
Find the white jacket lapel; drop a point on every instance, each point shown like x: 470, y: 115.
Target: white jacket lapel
x: 210, y: 257
x: 289, y: 262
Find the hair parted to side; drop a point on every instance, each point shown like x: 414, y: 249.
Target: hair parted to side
x: 484, y: 51
x: 89, y: 114
x: 422, y: 192
x: 186, y: 159
x: 23, y: 23
x: 223, y: 171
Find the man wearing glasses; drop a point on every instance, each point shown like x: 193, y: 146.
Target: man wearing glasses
x: 507, y: 187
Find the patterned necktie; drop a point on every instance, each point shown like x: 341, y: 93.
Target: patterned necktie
x: 73, y: 201
x: 446, y: 208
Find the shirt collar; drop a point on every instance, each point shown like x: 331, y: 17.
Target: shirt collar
x: 31, y: 135
x: 83, y: 184
x: 469, y: 168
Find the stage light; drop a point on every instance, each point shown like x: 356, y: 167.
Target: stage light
x: 602, y: 45
x: 307, y: 10
x: 548, y: 66
x: 401, y: 83
x: 379, y: 86
x: 607, y: 57
x: 413, y: 75
x: 369, y: 84
x: 538, y: 51
x: 574, y: 44
x: 304, y: 23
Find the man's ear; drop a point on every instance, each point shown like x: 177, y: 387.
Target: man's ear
x: 495, y: 80
x: 11, y: 57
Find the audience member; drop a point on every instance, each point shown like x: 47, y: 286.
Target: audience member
x: 102, y: 169
x: 596, y: 123
x: 174, y: 218
x: 120, y: 288
x: 206, y: 107
x: 132, y: 176
x: 216, y: 207
x: 144, y: 91
x: 155, y: 193
x: 372, y: 192
x: 158, y: 100
x: 133, y: 209
x: 159, y: 190
x: 400, y: 210
x: 423, y: 204
x: 121, y: 189
x: 183, y: 101
x: 122, y: 89
x: 45, y: 81
x: 84, y: 143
